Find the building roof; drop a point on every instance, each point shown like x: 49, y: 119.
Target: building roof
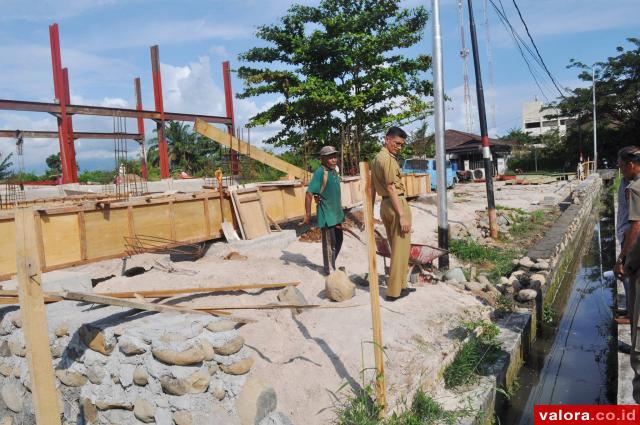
x: 457, y: 141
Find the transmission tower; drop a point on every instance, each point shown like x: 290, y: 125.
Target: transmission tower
x: 464, y: 54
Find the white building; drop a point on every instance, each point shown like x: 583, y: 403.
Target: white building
x: 537, y: 121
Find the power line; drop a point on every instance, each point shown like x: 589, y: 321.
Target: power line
x: 544, y: 65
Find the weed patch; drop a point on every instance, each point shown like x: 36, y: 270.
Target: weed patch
x: 496, y: 261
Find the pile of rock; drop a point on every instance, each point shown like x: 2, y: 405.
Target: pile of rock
x: 477, y: 284
x: 525, y: 283
x: 124, y: 368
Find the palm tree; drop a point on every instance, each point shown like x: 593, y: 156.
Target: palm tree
x: 5, y: 166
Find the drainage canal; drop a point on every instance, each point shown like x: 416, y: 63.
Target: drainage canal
x: 572, y: 361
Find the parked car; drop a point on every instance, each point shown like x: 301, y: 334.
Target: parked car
x: 428, y: 166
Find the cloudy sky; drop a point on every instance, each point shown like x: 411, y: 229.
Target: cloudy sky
x: 105, y: 45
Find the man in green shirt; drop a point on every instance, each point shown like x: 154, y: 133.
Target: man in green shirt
x: 325, y: 187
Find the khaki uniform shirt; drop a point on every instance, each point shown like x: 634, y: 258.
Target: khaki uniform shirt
x: 632, y: 194
x: 385, y: 170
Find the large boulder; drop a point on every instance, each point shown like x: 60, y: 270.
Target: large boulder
x: 455, y: 274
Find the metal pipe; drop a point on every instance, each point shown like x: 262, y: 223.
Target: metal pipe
x: 441, y: 168
x: 595, y: 134
x: 486, y: 151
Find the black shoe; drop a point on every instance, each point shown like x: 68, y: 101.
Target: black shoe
x: 403, y: 293
x: 624, y: 348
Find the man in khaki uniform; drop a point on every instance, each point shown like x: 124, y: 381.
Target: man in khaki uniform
x: 394, y: 211
x: 628, y: 262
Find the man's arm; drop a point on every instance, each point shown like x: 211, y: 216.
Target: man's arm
x: 405, y: 225
x: 307, y: 208
x: 629, y: 241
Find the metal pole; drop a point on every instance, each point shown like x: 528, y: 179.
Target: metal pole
x: 163, y: 151
x: 535, y: 153
x: 486, y: 152
x: 228, y: 99
x: 595, y: 136
x: 140, y: 122
x: 441, y: 168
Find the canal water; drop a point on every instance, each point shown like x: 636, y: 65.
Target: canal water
x: 572, y: 361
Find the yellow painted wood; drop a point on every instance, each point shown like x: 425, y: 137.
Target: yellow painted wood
x: 7, y: 247
x: 153, y: 220
x: 106, y: 231
x: 34, y: 320
x: 244, y: 148
x: 61, y: 238
x: 189, y: 222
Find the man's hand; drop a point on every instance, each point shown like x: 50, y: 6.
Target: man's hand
x: 618, y: 270
x: 405, y: 225
x: 305, y: 220
x: 318, y: 199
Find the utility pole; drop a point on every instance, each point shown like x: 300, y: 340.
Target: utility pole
x: 486, y: 152
x: 441, y: 169
x: 595, y: 135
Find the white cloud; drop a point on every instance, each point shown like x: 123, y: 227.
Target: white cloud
x: 47, y: 10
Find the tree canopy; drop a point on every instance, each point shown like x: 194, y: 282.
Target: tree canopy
x: 337, y: 66
x: 617, y: 104
x: 5, y: 166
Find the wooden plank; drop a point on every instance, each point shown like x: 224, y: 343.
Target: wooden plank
x: 153, y: 220
x: 60, y: 236
x: 163, y: 293
x: 251, y: 151
x: 39, y: 241
x: 189, y: 219
x: 207, y: 219
x: 172, y: 221
x: 105, y: 231
x: 160, y: 308
x: 83, y: 235
x: 251, y: 213
x: 374, y: 291
x: 34, y: 320
x: 7, y: 247
x: 236, y: 211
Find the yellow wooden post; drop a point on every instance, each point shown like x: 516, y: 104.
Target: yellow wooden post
x: 374, y: 291
x: 34, y: 320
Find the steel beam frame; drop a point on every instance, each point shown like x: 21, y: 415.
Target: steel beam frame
x: 143, y: 153
x: 228, y: 100
x: 163, y: 151
x: 36, y: 134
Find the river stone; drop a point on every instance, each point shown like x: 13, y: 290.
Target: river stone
x: 89, y: 411
x: 455, y: 274
x: 17, y: 348
x: 473, y: 286
x: 182, y: 417
x: 195, y: 383
x: 16, y: 319
x: 292, y: 295
x: 97, y: 339
x: 238, y: 368
x: 144, y: 411
x: 276, y: 418
x: 62, y: 330
x: 338, y: 287
x: 140, y: 376
x: 256, y: 401
x: 541, y: 265
x: 504, y: 280
x: 209, y: 352
x: 193, y: 355
x: 221, y: 326
x: 213, y: 368
x: 13, y: 396
x: 483, y: 280
x: 96, y: 374
x: 5, y: 351
x: 217, y: 390
x: 537, y: 281
x: 70, y: 378
x: 526, y: 263
x: 5, y: 369
x: 231, y: 347
x: 132, y: 345
x: 527, y: 295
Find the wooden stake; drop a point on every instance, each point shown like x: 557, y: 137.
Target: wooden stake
x: 34, y: 320
x: 374, y: 291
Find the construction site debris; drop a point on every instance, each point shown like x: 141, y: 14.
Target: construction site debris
x: 338, y: 287
x: 292, y: 295
x: 236, y: 256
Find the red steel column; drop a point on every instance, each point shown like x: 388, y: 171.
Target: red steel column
x: 143, y: 153
x: 63, y: 131
x: 228, y: 99
x: 157, y: 95
x: 71, y: 140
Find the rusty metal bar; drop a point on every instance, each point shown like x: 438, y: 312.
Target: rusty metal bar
x: 163, y: 150
x: 143, y: 153
x: 70, y: 138
x: 37, y: 134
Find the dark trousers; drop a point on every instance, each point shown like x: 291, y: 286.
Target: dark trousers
x: 331, y: 244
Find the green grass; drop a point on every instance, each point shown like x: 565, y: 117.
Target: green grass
x: 360, y: 409
x: 473, y: 356
x: 505, y: 208
x: 497, y: 261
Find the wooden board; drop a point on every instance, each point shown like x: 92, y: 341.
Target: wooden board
x: 34, y: 320
x: 244, y: 148
x: 60, y: 238
x: 189, y: 222
x: 105, y: 231
x: 251, y: 213
x: 7, y: 247
x: 153, y: 220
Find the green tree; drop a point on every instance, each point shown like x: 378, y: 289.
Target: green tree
x: 617, y: 104
x: 188, y: 151
x: 5, y: 166
x: 54, y: 165
x: 419, y: 143
x: 339, y: 65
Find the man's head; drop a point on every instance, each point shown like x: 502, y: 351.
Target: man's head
x: 394, y: 139
x: 329, y: 157
x: 629, y: 162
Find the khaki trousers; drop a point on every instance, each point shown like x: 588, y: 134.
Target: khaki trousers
x: 633, y: 302
x: 400, y: 245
